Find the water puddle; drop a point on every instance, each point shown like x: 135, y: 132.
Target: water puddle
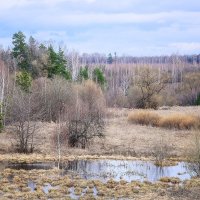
x: 31, y: 166
x: 104, y: 170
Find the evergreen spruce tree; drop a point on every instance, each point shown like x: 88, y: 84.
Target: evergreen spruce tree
x: 57, y: 64
x: 83, y: 74
x: 110, y: 59
x: 20, y: 51
x: 99, y: 77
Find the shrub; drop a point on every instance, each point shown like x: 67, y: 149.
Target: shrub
x: 198, y: 100
x: 1, y: 123
x: 24, y: 80
x: 85, y: 119
x: 161, y: 151
x: 194, y: 155
x: 144, y: 117
x: 179, y: 121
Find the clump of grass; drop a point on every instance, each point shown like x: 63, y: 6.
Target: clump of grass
x: 172, y: 121
x: 179, y: 121
x: 144, y: 117
x: 173, y: 180
x: 166, y: 163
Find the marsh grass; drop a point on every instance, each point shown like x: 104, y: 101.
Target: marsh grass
x: 144, y: 117
x: 110, y: 190
x: 177, y: 121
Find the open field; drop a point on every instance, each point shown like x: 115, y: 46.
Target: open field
x: 121, y: 137
x: 123, y: 140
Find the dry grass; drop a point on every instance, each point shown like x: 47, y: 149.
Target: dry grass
x: 144, y: 117
x: 178, y: 121
x: 122, y: 138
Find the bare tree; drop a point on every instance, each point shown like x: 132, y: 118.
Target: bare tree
x: 147, y: 86
x: 2, y: 88
x: 24, y: 114
x: 4, y: 84
x: 56, y: 93
x: 73, y: 62
x: 190, y: 88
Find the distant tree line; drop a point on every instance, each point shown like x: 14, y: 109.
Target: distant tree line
x: 103, y: 59
x: 117, y: 75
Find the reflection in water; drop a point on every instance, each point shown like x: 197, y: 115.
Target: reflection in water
x: 26, y: 166
x: 104, y: 170
x: 127, y: 170
x: 194, y: 168
x: 32, y: 185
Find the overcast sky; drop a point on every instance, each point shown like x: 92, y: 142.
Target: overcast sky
x: 131, y: 27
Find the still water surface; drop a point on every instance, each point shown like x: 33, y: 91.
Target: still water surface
x: 104, y: 170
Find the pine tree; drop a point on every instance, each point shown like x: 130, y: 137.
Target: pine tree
x: 99, y: 77
x: 57, y: 64
x: 20, y: 51
x: 110, y: 59
x: 62, y: 62
x: 52, y: 62
x: 83, y: 74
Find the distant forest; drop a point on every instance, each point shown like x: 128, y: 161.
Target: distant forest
x: 117, y: 75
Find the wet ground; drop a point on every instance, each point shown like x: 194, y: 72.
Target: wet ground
x: 89, y: 179
x: 104, y: 170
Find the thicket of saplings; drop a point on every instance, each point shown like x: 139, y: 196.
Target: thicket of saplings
x: 36, y: 84
x: 77, y: 108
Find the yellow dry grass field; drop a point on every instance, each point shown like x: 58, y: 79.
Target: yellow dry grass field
x: 122, y: 138
x: 123, y: 135
x: 171, y: 121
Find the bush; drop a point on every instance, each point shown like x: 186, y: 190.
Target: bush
x: 161, y: 151
x: 144, y: 117
x: 1, y: 124
x: 198, y: 100
x: 179, y: 121
x: 85, y: 118
x: 24, y: 80
x: 53, y: 95
x: 194, y: 155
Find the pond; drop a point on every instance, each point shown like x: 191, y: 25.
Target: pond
x: 103, y: 170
